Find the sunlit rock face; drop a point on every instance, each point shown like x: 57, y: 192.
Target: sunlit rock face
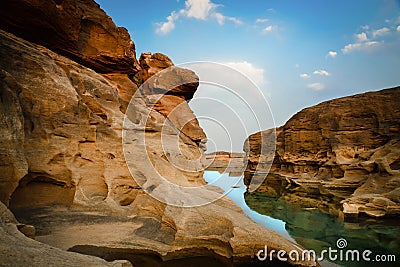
x: 342, y: 156
x: 74, y: 163
x: 79, y: 30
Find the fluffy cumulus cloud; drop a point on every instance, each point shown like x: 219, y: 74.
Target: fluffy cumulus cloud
x: 169, y: 25
x: 380, y: 32
x: 361, y: 37
x: 321, y: 73
x: 369, y: 38
x: 332, y: 54
x: 316, y: 86
x: 360, y: 46
x: 304, y: 76
x: 196, y: 9
x: 398, y: 28
x: 199, y: 9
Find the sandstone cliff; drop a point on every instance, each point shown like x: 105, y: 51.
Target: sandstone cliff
x: 71, y: 166
x: 342, y: 155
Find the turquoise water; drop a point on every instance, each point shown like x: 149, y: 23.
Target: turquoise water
x: 225, y: 182
x: 311, y: 228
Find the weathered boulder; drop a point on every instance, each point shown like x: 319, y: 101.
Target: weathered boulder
x: 168, y: 78
x: 168, y: 93
x: 343, y: 151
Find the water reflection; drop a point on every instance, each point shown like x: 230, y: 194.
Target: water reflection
x: 316, y: 230
x: 235, y: 189
x: 311, y: 228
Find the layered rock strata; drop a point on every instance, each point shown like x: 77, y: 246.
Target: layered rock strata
x: 341, y: 156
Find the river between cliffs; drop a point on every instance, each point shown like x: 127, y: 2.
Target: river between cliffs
x: 313, y: 229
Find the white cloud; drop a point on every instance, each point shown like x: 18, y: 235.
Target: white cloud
x: 398, y: 28
x: 332, y: 54
x: 261, y: 20
x: 269, y: 28
x: 321, y: 73
x: 360, y: 46
x: 350, y: 47
x: 380, y: 32
x: 169, y: 25
x: 372, y: 43
x: 221, y: 19
x: 304, y: 76
x: 361, y: 37
x: 365, y: 27
x: 316, y: 86
x: 199, y: 9
x: 196, y: 9
x: 255, y: 74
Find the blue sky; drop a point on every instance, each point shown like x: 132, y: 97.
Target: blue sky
x: 299, y: 53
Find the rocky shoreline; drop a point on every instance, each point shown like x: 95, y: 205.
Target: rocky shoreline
x: 341, y: 156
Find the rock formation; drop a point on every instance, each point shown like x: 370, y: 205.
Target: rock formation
x: 74, y: 169
x: 222, y: 161
x: 79, y: 30
x: 342, y: 156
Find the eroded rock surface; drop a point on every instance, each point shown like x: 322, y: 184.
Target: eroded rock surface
x: 77, y: 29
x: 61, y: 141
x: 341, y: 156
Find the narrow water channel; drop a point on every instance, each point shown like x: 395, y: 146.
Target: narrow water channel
x: 311, y: 228
x: 235, y: 190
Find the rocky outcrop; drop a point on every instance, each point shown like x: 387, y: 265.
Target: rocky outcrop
x: 77, y: 29
x: 222, y: 161
x: 74, y: 169
x: 19, y: 250
x: 169, y: 91
x: 341, y: 156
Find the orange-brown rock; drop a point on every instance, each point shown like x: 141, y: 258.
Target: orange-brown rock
x: 67, y: 165
x: 153, y: 63
x: 343, y: 151
x: 179, y: 113
x: 78, y: 29
x: 166, y: 81
x: 65, y: 152
x: 168, y: 92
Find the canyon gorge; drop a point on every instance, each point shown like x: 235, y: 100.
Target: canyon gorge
x: 86, y: 127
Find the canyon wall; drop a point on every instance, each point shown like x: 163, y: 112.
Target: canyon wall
x: 342, y: 156
x: 86, y: 128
